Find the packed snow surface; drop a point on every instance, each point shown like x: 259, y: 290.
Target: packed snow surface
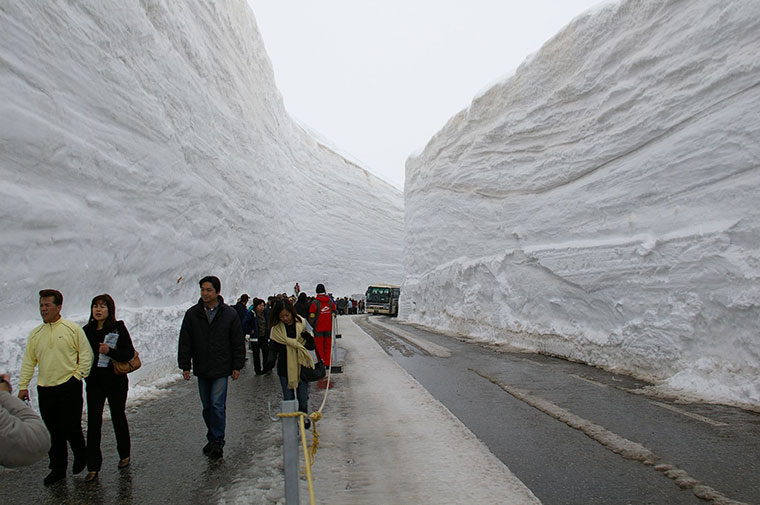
x: 601, y: 203
x: 144, y: 145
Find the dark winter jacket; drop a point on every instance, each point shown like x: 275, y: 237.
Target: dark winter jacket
x: 302, y: 306
x: 241, y: 310
x: 211, y: 350
x: 124, y: 350
x: 249, y: 322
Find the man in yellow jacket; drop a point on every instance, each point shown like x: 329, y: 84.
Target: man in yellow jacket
x: 61, y: 351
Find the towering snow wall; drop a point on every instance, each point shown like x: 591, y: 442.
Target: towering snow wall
x: 143, y: 144
x: 602, y: 203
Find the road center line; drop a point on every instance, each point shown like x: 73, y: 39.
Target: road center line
x: 689, y: 414
x: 600, y: 384
x: 615, y: 443
x: 660, y: 404
x: 430, y: 347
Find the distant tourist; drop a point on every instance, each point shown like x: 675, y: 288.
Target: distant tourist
x: 23, y: 437
x: 241, y: 307
x: 302, y: 306
x: 109, y: 340
x: 211, y: 344
x: 321, y: 319
x: 62, y: 354
x: 257, y: 326
x: 288, y: 346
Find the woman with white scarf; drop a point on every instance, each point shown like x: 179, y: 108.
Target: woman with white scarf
x: 289, y: 342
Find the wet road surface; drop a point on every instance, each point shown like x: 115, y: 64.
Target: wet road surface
x: 718, y: 446
x: 168, y: 466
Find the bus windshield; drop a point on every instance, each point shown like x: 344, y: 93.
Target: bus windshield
x: 378, y: 294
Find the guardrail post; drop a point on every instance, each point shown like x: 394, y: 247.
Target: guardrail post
x: 290, y: 451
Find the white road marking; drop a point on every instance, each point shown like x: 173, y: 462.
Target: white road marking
x: 433, y: 349
x: 614, y: 442
x: 689, y: 414
x: 601, y: 384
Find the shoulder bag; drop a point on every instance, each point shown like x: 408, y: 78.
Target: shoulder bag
x: 314, y: 374
x: 124, y: 367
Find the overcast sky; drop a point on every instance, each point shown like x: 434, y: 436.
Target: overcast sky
x: 379, y: 78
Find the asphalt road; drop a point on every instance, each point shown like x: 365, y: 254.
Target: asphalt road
x: 168, y: 466
x: 497, y: 395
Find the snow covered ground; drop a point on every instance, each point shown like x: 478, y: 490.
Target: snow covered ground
x: 144, y: 145
x: 601, y: 203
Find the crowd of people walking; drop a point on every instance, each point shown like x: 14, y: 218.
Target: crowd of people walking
x: 284, y: 333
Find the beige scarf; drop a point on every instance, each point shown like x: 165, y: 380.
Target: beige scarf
x: 297, y: 354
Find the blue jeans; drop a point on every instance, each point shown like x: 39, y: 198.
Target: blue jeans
x: 214, y: 400
x: 302, y: 392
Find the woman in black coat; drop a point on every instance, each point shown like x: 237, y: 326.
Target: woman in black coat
x: 103, y: 383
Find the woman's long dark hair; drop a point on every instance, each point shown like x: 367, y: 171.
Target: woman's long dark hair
x: 279, y: 306
x: 110, y: 321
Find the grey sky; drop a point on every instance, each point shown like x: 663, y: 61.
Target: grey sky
x: 379, y: 78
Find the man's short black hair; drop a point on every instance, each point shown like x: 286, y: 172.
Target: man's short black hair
x: 214, y: 282
x: 57, y: 295
x: 320, y: 288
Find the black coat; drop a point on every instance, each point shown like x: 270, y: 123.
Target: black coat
x: 124, y: 350
x: 241, y: 310
x: 211, y: 350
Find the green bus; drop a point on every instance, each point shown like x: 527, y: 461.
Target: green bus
x: 382, y: 299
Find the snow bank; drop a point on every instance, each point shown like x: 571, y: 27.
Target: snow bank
x: 601, y: 204
x: 144, y: 145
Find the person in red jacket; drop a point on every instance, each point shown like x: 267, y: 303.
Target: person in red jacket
x: 320, y: 318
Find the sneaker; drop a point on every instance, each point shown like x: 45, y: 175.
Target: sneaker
x: 124, y: 463
x: 307, y: 423
x: 53, y: 477
x: 91, y: 476
x: 216, y: 450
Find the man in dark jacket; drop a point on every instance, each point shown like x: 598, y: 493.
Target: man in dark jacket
x: 211, y: 343
x: 240, y: 306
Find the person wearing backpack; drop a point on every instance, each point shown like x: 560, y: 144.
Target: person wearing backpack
x: 321, y: 319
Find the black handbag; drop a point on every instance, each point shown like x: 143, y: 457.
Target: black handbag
x: 314, y: 374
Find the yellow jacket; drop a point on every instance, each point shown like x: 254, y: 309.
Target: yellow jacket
x: 60, y: 349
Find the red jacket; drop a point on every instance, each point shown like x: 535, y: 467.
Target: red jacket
x: 320, y: 313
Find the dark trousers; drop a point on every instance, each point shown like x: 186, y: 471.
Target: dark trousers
x: 260, y: 354
x: 302, y: 392
x: 61, y: 410
x: 99, y: 389
x: 214, y: 400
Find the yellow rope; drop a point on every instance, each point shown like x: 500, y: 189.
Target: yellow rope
x: 310, y: 452
x: 314, y: 416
